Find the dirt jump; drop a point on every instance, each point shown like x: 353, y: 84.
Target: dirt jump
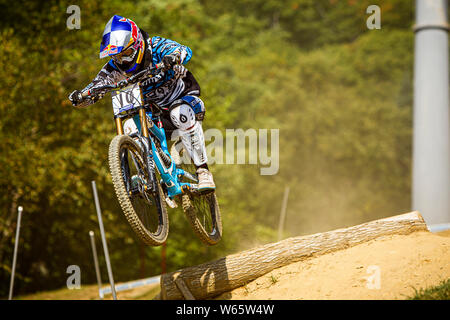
x: 382, y: 259
x: 400, y: 262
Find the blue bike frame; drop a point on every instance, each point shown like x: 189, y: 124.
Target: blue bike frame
x: 171, y: 175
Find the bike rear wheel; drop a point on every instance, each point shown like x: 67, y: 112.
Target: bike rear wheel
x: 203, y: 213
x: 139, y: 193
x: 201, y: 209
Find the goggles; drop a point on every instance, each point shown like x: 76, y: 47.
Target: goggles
x: 125, y: 56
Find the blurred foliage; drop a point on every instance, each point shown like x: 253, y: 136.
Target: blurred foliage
x: 340, y: 94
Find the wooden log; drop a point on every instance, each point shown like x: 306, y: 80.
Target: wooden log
x: 213, y: 278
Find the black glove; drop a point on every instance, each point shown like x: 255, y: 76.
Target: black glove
x: 75, y: 97
x: 171, y: 60
x: 120, y: 84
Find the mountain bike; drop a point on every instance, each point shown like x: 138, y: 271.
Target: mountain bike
x: 145, y: 175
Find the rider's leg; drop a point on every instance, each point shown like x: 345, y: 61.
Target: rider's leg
x: 188, y: 122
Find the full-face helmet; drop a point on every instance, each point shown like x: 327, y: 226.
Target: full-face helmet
x: 123, y: 42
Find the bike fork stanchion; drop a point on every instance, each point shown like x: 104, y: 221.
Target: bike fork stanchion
x: 105, y: 246
x: 97, y: 269
x: 16, y: 245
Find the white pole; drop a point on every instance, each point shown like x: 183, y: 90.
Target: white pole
x: 16, y: 245
x: 97, y: 269
x: 283, y: 213
x: 431, y: 140
x: 105, y: 246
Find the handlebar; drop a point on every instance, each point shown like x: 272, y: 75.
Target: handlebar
x: 156, y: 72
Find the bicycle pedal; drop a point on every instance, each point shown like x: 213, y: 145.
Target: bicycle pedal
x: 171, y: 203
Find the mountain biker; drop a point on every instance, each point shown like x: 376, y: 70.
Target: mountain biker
x: 131, y: 50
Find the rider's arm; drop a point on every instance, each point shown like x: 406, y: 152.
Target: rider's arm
x: 162, y: 47
x: 107, y: 75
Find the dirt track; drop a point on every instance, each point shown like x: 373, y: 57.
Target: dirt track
x: 403, y: 262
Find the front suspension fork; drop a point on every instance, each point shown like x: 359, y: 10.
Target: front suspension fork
x: 147, y: 148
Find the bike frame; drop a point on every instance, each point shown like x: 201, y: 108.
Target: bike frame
x: 150, y: 126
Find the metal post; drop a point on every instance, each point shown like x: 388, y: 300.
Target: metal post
x: 431, y: 141
x: 105, y: 246
x: 97, y: 269
x: 283, y: 213
x: 16, y: 245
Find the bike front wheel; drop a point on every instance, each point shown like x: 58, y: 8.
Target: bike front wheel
x: 138, y: 191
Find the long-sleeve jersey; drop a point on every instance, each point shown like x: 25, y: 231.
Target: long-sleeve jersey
x: 165, y: 91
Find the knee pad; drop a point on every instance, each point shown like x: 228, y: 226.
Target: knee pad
x: 183, y: 117
x: 196, y: 104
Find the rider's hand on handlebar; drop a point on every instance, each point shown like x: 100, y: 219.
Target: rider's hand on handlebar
x: 75, y: 97
x: 122, y: 83
x: 180, y: 71
x: 171, y: 60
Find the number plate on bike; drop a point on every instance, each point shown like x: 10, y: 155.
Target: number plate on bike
x: 126, y: 99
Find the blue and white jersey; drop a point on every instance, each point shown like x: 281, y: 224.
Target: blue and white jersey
x: 165, y: 91
x: 170, y: 88
x: 162, y: 47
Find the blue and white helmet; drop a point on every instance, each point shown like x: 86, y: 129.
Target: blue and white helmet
x: 123, y: 42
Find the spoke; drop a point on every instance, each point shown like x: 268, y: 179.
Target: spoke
x: 203, y: 203
x: 203, y: 211
x: 143, y: 203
